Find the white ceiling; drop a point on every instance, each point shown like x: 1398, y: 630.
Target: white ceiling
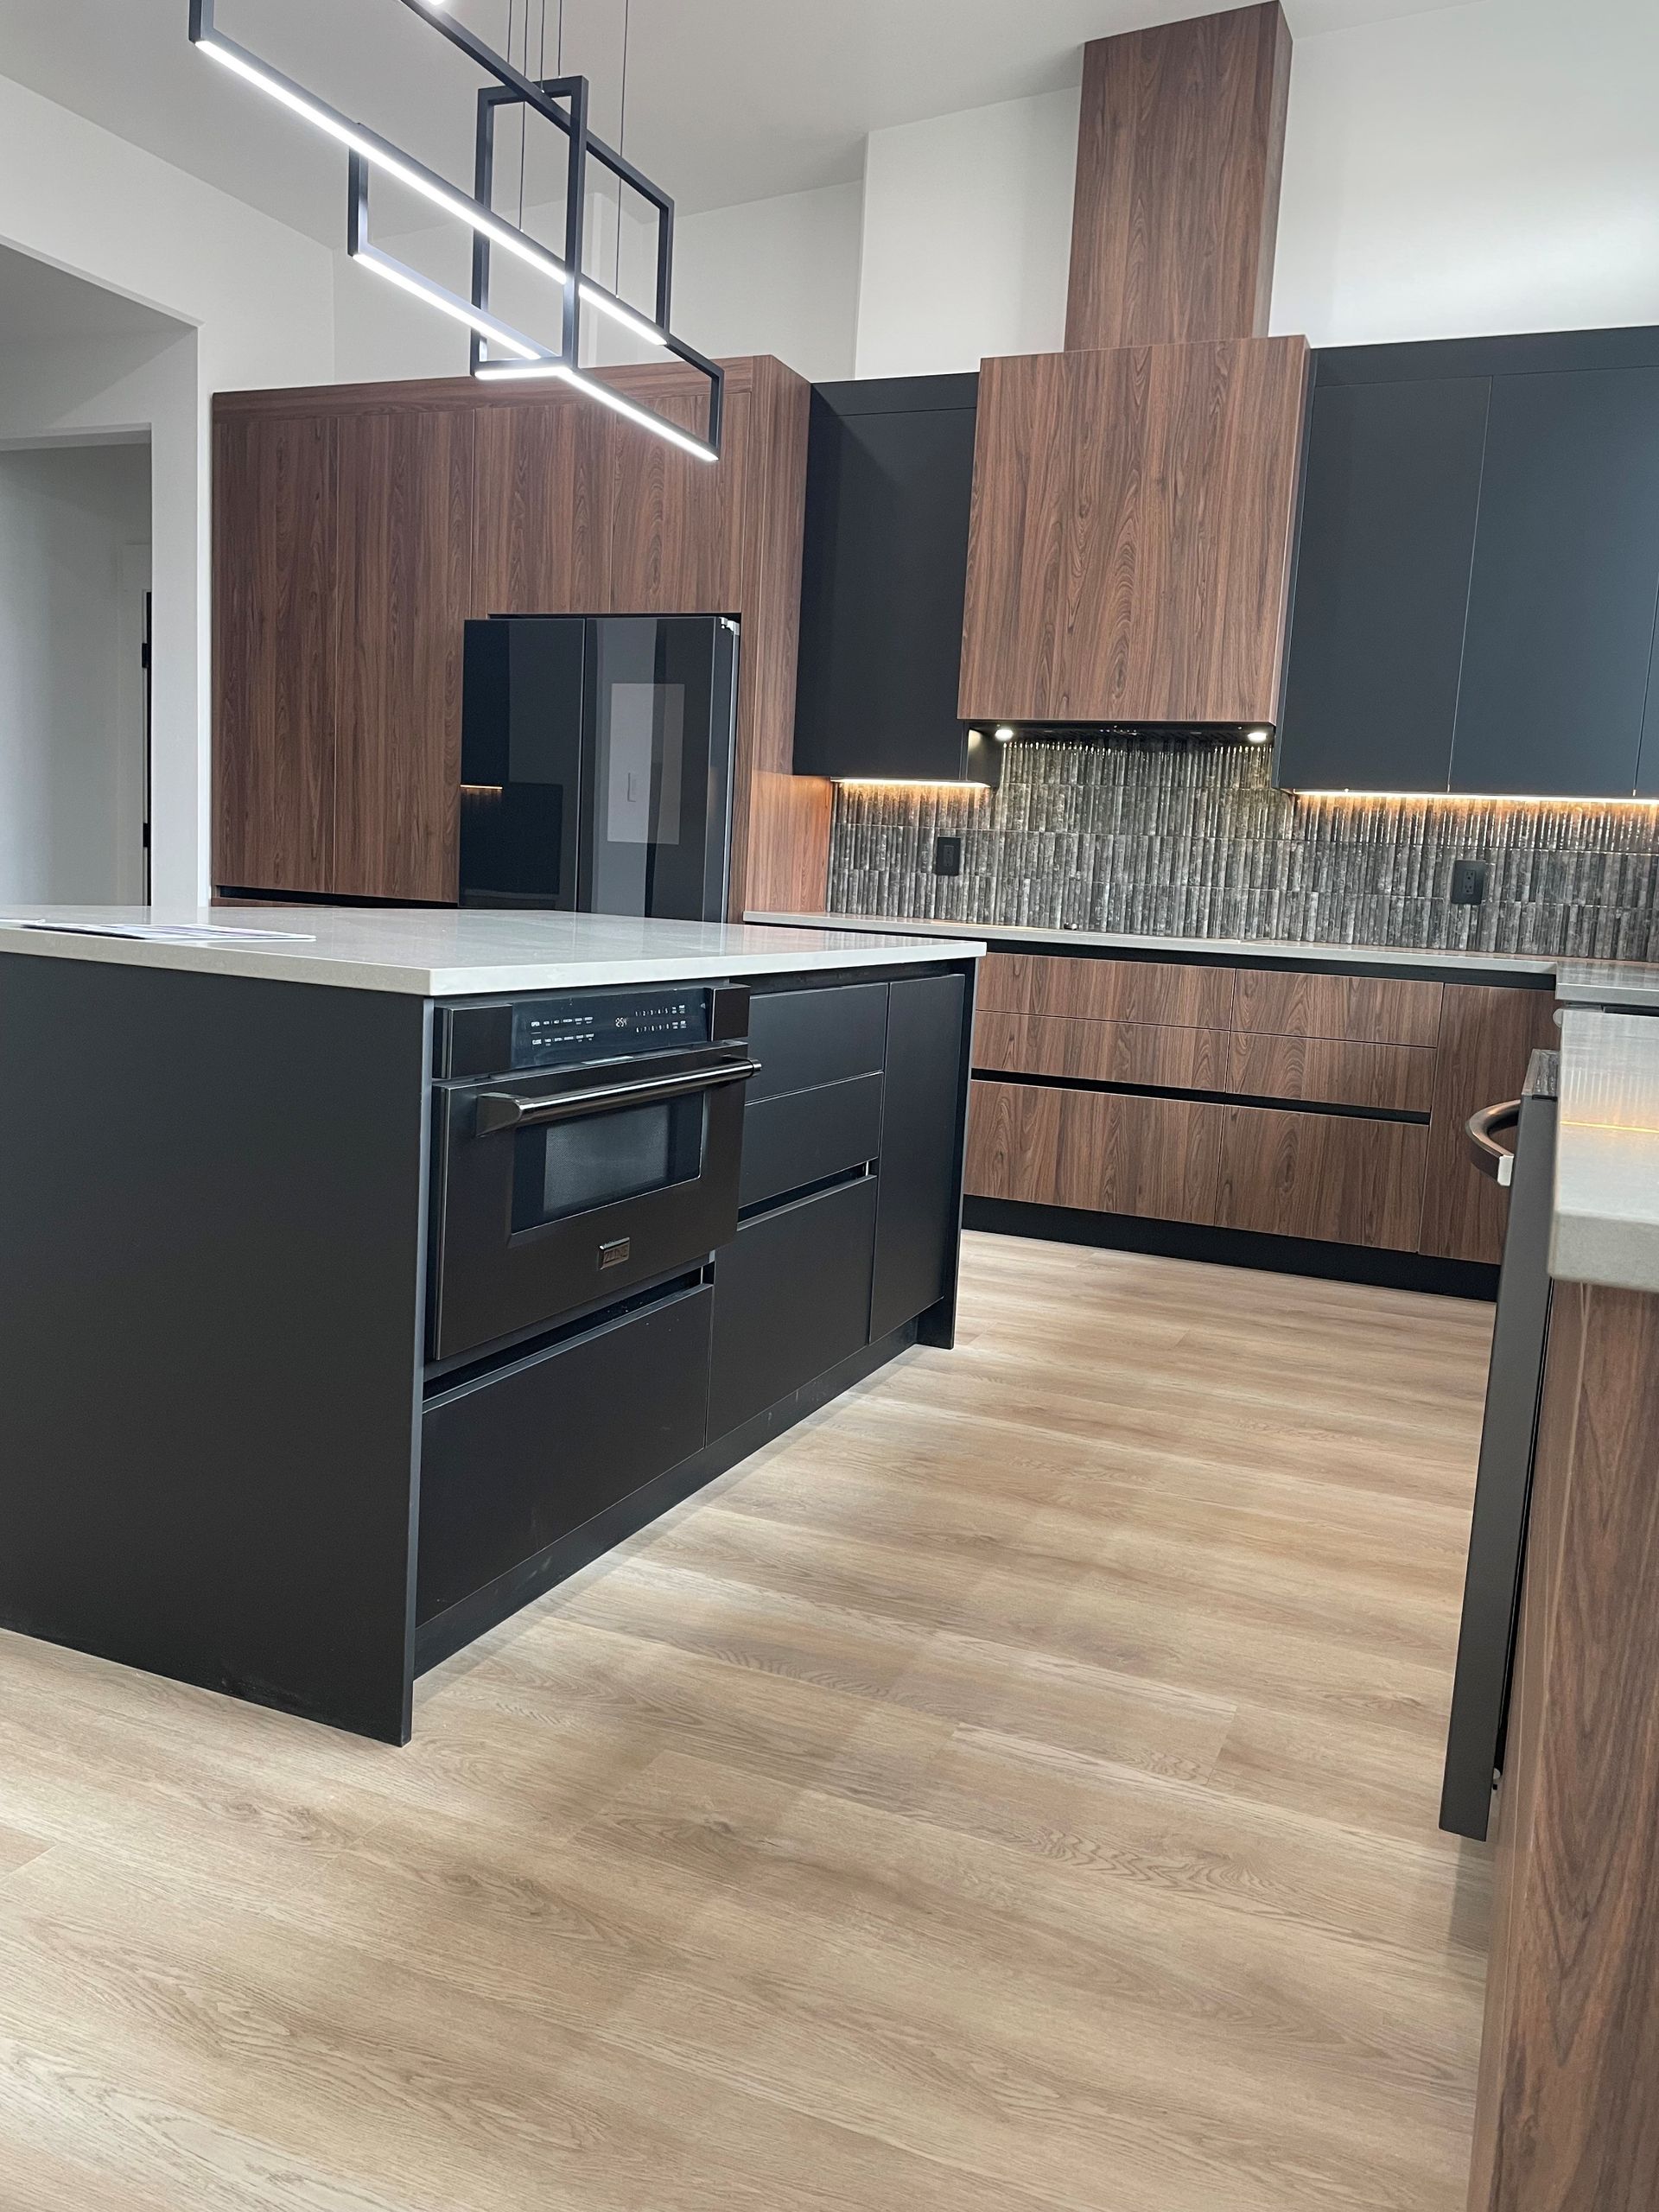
x: 728, y: 100
x: 41, y: 305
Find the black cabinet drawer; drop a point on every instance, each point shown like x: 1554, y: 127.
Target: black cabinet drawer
x: 808, y: 1136
x: 804, y: 1037
x: 792, y: 1299
x: 513, y: 1462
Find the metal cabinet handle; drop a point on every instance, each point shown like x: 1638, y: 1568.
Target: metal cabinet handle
x: 1494, y: 1159
x: 500, y: 1110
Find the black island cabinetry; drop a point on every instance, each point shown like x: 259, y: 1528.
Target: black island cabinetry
x: 359, y: 1319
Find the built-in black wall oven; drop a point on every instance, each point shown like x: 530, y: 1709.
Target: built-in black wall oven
x: 582, y: 1146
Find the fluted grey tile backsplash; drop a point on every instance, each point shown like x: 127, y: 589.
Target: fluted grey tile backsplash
x: 1182, y: 837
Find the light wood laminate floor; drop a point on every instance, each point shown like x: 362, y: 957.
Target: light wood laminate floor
x: 1013, y: 1791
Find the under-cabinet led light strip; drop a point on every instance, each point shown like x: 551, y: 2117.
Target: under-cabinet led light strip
x: 386, y: 157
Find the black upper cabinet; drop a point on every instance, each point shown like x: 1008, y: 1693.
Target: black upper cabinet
x: 1477, y: 569
x: 1556, y: 663
x: 889, y: 485
x: 1388, y: 538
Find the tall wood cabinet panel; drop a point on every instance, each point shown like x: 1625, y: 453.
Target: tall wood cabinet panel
x: 276, y: 632
x: 404, y: 565
x: 1129, y: 546
x: 356, y: 529
x: 1487, y: 1037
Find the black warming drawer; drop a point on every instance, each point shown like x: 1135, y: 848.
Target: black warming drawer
x: 792, y: 1300
x: 512, y: 1462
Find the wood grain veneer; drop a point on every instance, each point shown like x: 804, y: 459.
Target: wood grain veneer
x: 1486, y: 1037
x: 1013, y: 1791
x: 1100, y: 1052
x: 1159, y: 991
x: 1363, y: 1009
x: 461, y: 498
x: 1129, y: 547
x: 404, y: 570
x: 1396, y: 1078
x: 1331, y: 1177
x: 275, y: 643
x: 1096, y: 1150
x: 1179, y: 150
x: 1565, y: 2116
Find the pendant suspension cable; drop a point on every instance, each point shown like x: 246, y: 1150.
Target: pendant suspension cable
x: 621, y: 144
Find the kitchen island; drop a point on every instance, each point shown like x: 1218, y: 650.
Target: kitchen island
x: 364, y: 1272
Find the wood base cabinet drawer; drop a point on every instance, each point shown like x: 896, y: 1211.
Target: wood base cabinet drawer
x: 513, y: 1462
x: 1157, y: 991
x: 792, y: 1300
x: 1365, y: 1009
x: 1097, y: 1150
x: 1331, y: 1177
x: 1099, y: 1052
x: 1395, y: 1078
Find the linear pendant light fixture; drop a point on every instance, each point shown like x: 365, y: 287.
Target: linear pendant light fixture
x: 498, y: 351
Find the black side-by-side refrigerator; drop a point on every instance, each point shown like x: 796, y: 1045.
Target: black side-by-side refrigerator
x: 597, y: 764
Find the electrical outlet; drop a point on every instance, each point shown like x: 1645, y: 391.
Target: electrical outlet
x: 1468, y: 882
x: 947, y: 856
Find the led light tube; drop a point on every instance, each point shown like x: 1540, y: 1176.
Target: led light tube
x: 386, y: 157
x: 504, y: 370
x: 449, y: 303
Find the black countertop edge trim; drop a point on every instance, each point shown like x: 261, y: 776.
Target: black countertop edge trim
x: 1205, y: 1098
x: 463, y: 1624
x: 1234, y: 1247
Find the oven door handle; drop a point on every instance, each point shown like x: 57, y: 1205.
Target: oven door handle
x: 1494, y: 1159
x: 500, y: 1110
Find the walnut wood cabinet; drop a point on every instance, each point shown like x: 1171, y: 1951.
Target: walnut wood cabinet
x: 1274, y: 1100
x: 1129, y: 556
x: 357, y: 528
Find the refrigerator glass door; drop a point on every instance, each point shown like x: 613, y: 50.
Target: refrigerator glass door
x: 522, y: 761
x: 657, y: 801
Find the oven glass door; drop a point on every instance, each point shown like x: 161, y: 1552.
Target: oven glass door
x: 558, y: 1191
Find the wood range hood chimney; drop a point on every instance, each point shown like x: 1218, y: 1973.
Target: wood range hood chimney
x: 1179, y: 152
x: 1130, y: 549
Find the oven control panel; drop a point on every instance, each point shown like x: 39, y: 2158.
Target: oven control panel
x: 556, y: 1032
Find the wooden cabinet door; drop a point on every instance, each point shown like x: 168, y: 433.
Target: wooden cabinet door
x: 405, y: 567
x: 1387, y: 542
x: 1332, y: 1177
x: 542, y: 532
x: 1129, y: 548
x: 1098, y: 1151
x: 1487, y: 1037
x: 276, y: 633
x: 1565, y: 587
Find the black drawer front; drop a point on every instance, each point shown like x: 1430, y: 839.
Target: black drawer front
x: 791, y: 1298
x: 803, y: 1037
x: 512, y: 1462
x: 809, y: 1136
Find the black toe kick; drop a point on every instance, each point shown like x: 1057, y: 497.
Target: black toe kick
x: 1234, y: 1247
x: 449, y: 1631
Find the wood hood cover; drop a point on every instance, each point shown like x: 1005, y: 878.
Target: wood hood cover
x: 1134, y: 497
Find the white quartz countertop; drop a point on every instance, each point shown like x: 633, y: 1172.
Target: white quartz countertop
x: 1607, y: 1225
x: 1311, y: 955
x: 1631, y: 984
x: 441, y: 953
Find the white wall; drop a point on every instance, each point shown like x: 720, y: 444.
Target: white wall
x: 254, y: 303
x: 69, y: 518
x: 1487, y: 167
x: 967, y: 237
x: 776, y: 275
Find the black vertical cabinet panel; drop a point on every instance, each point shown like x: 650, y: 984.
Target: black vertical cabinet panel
x: 792, y: 1299
x: 890, y: 478
x: 1565, y: 581
x: 208, y: 1178
x: 1388, y: 534
x: 918, y: 1212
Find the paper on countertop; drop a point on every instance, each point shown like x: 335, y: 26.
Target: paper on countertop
x: 169, y: 932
